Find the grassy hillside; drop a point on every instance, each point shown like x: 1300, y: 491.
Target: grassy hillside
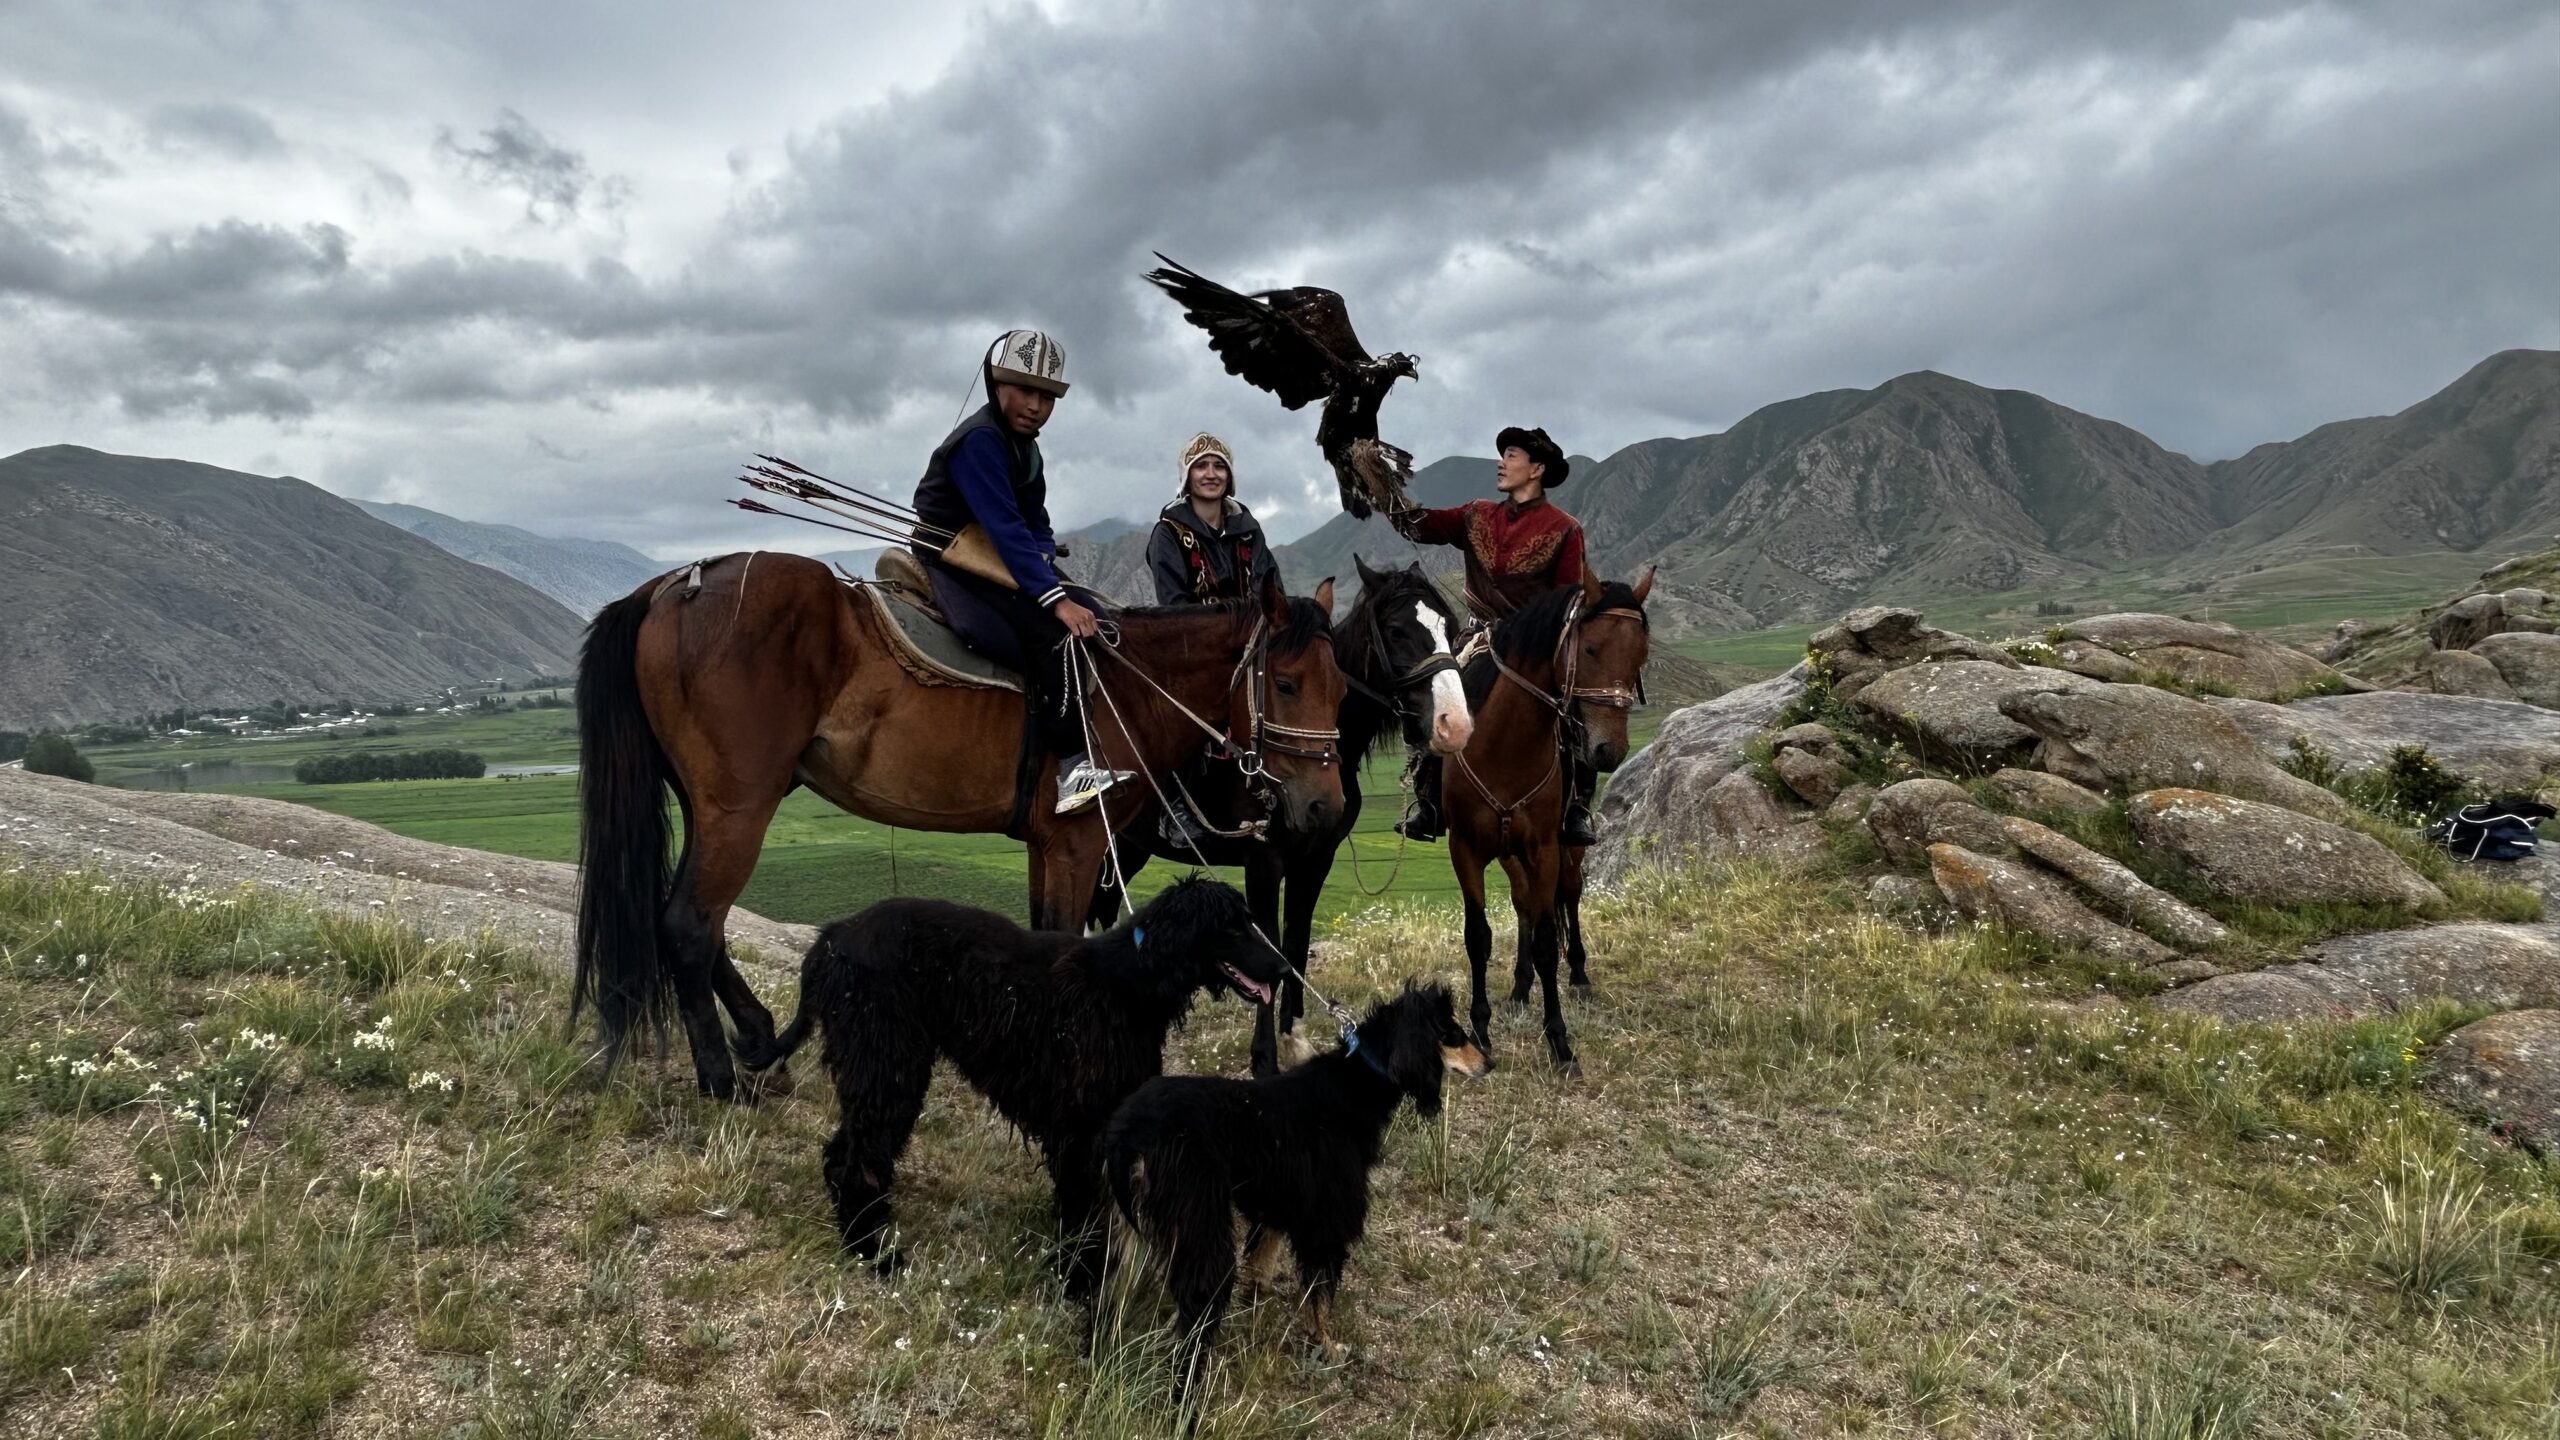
x: 1825, y: 1177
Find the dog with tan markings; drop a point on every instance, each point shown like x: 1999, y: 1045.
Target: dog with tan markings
x: 1290, y: 1153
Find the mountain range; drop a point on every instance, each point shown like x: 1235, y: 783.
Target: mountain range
x: 139, y: 584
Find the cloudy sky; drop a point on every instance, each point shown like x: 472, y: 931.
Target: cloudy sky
x: 561, y: 265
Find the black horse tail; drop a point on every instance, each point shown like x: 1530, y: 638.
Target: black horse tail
x: 813, y: 984
x: 623, y: 777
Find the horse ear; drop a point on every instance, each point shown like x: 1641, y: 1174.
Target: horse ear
x: 1324, y: 596
x: 1275, y: 601
x: 1368, y: 577
x: 1590, y: 586
x: 1644, y: 586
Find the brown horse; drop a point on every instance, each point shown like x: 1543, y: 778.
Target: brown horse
x: 1563, y: 671
x: 770, y: 676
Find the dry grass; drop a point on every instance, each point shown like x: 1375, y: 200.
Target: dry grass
x: 1826, y: 1176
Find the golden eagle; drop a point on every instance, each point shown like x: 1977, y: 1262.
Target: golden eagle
x: 1298, y: 344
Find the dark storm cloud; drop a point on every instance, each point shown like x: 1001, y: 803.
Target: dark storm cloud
x: 512, y: 154
x: 219, y: 126
x: 2218, y: 223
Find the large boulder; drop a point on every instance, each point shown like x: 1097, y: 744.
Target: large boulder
x: 1738, y: 816
x: 2139, y: 737
x: 2527, y: 661
x: 1866, y: 643
x: 2382, y: 971
x: 2007, y: 893
x: 2198, y: 652
x: 2502, y: 744
x: 2505, y: 1070
x: 1911, y: 815
x: 2463, y: 672
x: 1816, y: 779
x: 2125, y: 893
x: 2033, y: 792
x: 1948, y: 711
x: 2467, y: 621
x: 2272, y: 855
x: 1652, y: 802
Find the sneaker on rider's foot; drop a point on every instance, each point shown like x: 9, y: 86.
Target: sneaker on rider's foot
x: 1081, y: 783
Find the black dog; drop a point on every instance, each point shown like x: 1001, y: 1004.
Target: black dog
x: 1290, y: 1152
x: 1054, y: 1029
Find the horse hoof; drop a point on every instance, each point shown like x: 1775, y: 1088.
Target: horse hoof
x: 1569, y: 1070
x: 767, y: 1084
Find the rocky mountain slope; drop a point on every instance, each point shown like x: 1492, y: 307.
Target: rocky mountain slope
x: 580, y: 574
x: 141, y: 584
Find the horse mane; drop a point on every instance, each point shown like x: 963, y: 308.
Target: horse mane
x: 1532, y: 632
x: 1354, y: 648
x: 1302, y: 622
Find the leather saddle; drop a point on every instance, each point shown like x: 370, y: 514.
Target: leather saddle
x: 926, y: 647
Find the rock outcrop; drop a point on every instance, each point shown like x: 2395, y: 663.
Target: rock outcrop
x: 2138, y: 902
x: 1948, y: 711
x: 2026, y: 899
x: 1652, y: 805
x: 2528, y: 661
x: 2272, y: 855
x: 2506, y: 966
x: 2033, y: 792
x: 2505, y: 1070
x: 2138, y: 738
x: 2461, y: 672
x: 1866, y: 643
x: 2197, y: 652
x: 2501, y: 744
x: 1911, y: 815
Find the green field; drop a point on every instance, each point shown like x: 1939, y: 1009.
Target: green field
x: 819, y: 863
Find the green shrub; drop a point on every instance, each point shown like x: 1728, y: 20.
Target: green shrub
x: 389, y: 765
x: 56, y: 755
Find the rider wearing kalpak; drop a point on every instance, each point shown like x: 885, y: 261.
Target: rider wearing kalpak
x: 988, y: 471
x: 1207, y: 547
x: 1517, y: 548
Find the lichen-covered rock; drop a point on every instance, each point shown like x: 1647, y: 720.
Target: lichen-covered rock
x: 1911, y: 815
x: 2126, y: 894
x: 2502, y: 744
x: 1948, y: 711
x: 1868, y: 642
x: 1904, y: 895
x: 2504, y: 1070
x: 1812, y: 735
x: 2477, y: 963
x: 2199, y: 652
x: 2342, y: 641
x: 1652, y: 804
x: 2139, y: 737
x: 2466, y: 622
x: 1738, y: 816
x: 2528, y: 662
x: 1817, y: 779
x: 1852, y: 806
x: 2272, y: 855
x: 2033, y: 792
x: 2463, y: 672
x: 2007, y: 893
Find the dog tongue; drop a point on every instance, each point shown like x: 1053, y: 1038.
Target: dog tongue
x: 1260, y: 993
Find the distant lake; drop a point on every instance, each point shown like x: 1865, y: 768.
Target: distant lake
x: 201, y: 775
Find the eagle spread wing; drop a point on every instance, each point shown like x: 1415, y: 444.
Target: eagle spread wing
x: 1262, y: 338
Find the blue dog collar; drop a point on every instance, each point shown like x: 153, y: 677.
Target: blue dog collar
x: 1138, y: 937
x: 1351, y: 1046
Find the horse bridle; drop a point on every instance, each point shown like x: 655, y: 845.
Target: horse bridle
x: 1568, y: 666
x: 1392, y: 697
x: 1322, y: 746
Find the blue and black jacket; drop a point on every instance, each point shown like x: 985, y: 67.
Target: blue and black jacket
x: 986, y: 473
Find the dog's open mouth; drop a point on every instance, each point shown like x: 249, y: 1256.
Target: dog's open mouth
x: 1246, y: 985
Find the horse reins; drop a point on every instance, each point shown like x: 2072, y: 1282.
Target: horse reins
x: 1567, y: 695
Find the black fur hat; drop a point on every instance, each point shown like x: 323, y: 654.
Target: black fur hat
x: 1540, y: 448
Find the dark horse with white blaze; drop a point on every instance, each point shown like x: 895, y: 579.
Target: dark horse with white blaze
x: 769, y: 677
x: 1563, y: 672
x: 1394, y: 647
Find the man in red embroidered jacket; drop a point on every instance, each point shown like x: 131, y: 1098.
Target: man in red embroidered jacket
x: 1517, y: 548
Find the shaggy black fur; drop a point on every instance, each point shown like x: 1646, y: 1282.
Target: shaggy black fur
x: 1289, y: 1152
x: 1054, y: 1030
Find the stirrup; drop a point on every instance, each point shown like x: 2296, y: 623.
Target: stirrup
x: 1087, y: 783
x: 1421, y: 825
